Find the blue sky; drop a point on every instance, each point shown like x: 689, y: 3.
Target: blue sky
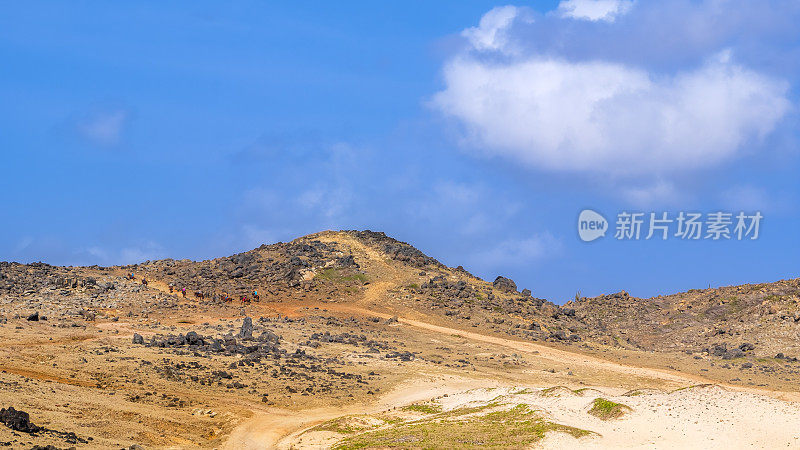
x: 476, y: 131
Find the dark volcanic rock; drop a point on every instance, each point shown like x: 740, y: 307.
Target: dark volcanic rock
x: 18, y: 420
x: 246, y: 332
x: 733, y: 353
x: 192, y: 338
x: 505, y: 284
x: 138, y: 339
x: 402, y: 356
x: 34, y: 317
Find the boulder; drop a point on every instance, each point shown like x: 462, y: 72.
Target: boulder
x: 505, y: 284
x: 18, y: 420
x: 733, y: 353
x: 246, y: 332
x: 192, y: 338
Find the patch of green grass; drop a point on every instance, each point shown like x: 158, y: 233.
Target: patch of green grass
x: 551, y: 391
x: 343, y: 425
x: 607, y: 410
x: 423, y: 408
x: 467, y: 410
x: 689, y: 387
x: 634, y: 393
x: 338, y: 276
x: 413, y: 286
x: 518, y: 427
x: 391, y: 420
x: 735, y: 304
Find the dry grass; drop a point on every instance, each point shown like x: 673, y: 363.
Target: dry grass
x: 516, y: 427
x: 607, y: 410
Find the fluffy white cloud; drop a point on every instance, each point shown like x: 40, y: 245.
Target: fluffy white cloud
x: 594, y: 10
x: 492, y: 33
x: 555, y: 113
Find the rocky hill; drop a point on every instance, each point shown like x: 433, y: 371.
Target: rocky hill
x: 350, y: 267
x: 727, y: 321
x: 338, y: 266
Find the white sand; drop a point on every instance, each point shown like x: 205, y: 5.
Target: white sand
x: 702, y: 417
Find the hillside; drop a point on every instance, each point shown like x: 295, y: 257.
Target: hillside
x: 761, y: 319
x: 339, y: 266
x: 356, y: 323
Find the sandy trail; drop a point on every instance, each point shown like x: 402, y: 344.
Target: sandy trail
x: 278, y: 428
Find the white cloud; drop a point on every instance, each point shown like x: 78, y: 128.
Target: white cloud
x: 594, y: 10
x: 492, y: 31
x: 557, y: 114
x: 104, y: 128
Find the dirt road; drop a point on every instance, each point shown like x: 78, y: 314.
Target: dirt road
x: 275, y: 429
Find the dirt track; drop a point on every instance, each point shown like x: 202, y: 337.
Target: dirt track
x: 275, y: 428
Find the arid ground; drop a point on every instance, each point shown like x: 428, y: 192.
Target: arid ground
x: 356, y: 340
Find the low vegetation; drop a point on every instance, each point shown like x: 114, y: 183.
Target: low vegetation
x: 515, y: 427
x: 607, y: 410
x: 423, y: 408
x: 341, y: 276
x: 349, y: 424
